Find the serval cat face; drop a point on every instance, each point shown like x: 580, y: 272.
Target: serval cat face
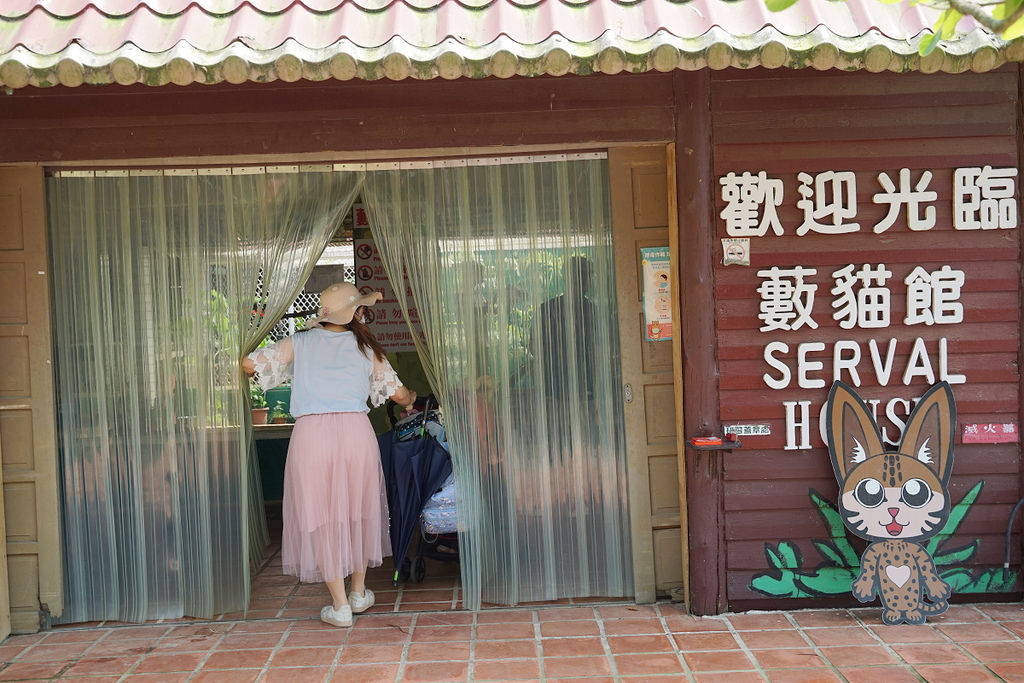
x: 896, y: 495
x: 892, y: 496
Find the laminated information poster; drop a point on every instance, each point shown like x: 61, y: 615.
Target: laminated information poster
x: 657, y: 293
x: 385, y: 318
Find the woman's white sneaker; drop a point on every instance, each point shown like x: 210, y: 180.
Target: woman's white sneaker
x: 336, y: 617
x: 361, y: 603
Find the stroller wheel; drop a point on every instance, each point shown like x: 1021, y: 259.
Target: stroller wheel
x: 419, y: 570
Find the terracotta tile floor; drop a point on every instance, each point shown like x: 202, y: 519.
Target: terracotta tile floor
x: 419, y: 633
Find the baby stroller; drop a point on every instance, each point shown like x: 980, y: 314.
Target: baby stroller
x: 416, y: 465
x: 439, y: 538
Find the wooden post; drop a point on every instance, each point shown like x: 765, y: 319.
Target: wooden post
x: 704, y: 492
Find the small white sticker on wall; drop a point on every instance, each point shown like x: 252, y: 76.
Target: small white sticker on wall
x: 735, y: 251
x: 748, y: 430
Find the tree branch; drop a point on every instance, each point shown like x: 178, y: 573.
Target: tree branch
x: 978, y: 13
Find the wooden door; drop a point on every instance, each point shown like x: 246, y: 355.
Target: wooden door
x: 27, y: 419
x: 643, y: 209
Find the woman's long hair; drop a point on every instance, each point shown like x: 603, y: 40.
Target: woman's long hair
x: 365, y: 338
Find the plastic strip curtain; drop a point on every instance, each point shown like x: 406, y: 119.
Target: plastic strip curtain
x: 510, y: 269
x: 155, y: 274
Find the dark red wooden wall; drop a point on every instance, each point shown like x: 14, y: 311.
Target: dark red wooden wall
x: 785, y: 123
x: 140, y: 122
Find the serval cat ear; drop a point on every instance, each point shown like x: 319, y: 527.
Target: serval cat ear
x: 851, y: 431
x: 930, y: 431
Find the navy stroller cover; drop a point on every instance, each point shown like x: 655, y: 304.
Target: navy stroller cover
x: 414, y: 469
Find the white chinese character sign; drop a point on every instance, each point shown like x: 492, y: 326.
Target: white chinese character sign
x: 984, y: 198
x: 852, y: 305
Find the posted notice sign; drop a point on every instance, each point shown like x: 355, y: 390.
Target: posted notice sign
x: 385, y: 318
x: 657, y: 293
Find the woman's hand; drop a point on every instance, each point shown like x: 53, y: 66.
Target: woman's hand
x: 404, y: 397
x: 249, y: 366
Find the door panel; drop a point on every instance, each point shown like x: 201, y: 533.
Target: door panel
x: 641, y: 213
x: 30, y: 545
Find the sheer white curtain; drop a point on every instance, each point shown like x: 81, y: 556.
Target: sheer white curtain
x: 155, y: 283
x: 511, y: 273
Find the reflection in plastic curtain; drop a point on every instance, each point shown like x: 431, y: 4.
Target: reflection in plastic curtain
x: 511, y: 272
x: 156, y: 280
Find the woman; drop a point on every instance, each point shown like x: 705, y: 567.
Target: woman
x: 335, y: 505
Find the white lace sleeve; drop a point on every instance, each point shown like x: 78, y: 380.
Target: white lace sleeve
x: 274, y: 363
x: 383, y: 383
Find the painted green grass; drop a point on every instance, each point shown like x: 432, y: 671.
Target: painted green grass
x: 787, y: 577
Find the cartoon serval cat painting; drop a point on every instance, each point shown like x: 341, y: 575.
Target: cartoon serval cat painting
x: 895, y: 499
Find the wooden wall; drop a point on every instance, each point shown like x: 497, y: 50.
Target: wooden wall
x: 260, y: 121
x: 782, y: 122
x: 786, y: 123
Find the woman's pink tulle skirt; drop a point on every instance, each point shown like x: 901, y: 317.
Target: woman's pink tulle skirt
x: 335, y: 507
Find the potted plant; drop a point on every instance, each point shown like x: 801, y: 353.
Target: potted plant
x: 279, y: 413
x: 258, y: 403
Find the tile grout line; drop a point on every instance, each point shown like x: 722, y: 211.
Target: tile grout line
x: 675, y: 645
x: 613, y: 665
x: 471, y: 657
x: 336, y: 662
x: 961, y: 648
x: 400, y: 674
x: 743, y: 647
x: 541, y: 673
x: 27, y: 649
x: 274, y: 650
x: 888, y: 648
x: 151, y: 650
x: 293, y: 593
x: 1013, y: 633
x: 814, y: 646
x: 209, y: 653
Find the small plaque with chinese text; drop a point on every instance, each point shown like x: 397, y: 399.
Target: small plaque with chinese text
x: 991, y: 433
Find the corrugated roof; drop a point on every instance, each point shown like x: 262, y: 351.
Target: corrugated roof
x: 70, y: 42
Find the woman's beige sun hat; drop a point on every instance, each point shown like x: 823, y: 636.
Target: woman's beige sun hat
x: 338, y: 303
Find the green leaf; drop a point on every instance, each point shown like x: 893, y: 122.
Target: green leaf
x: 1006, y: 9
x: 978, y: 584
x: 790, y: 555
x: 957, y: 555
x: 956, y: 516
x: 992, y: 581
x: 928, y: 44
x: 949, y: 25
x: 957, y: 579
x: 826, y: 581
x: 1016, y: 30
x: 836, y: 530
x: 830, y: 514
x: 778, y: 5
x: 774, y: 559
x: 776, y: 587
x: 829, y: 552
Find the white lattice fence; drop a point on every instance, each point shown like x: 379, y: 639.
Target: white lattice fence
x: 305, y: 302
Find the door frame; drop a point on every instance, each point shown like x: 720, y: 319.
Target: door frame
x: 639, y: 448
